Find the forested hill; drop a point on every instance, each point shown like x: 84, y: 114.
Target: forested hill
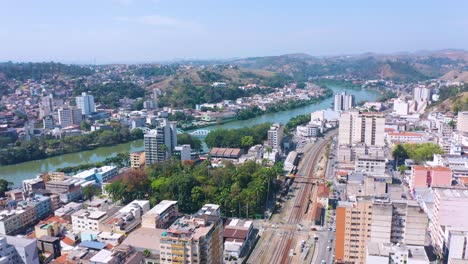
x: 37, y: 71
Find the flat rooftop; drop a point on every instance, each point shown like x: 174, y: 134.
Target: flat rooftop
x: 145, y: 238
x: 160, y: 208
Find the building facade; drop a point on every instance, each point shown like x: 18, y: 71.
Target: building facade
x: 86, y: 103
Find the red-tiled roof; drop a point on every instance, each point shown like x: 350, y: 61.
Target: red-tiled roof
x: 235, y: 233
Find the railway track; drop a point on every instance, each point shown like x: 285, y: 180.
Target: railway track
x: 273, y: 250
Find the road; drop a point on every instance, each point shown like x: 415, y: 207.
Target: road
x: 287, y: 237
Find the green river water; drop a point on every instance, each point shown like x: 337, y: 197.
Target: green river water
x: 26, y: 170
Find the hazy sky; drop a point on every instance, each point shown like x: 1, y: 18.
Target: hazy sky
x: 154, y: 30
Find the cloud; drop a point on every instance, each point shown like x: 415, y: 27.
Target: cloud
x: 161, y: 22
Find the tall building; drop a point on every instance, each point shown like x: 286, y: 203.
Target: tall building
x: 344, y: 102
x: 17, y: 250
x: 86, y: 103
x: 462, y: 122
x: 449, y: 213
x: 48, y: 122
x: 356, y: 127
x: 70, y: 116
x: 197, y: 239
x: 160, y: 142
x: 422, y: 93
x: 47, y: 105
x: 366, y: 219
x: 275, y: 136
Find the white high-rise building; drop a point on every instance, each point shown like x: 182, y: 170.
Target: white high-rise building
x: 86, y: 103
x: 344, y: 102
x: 275, y: 136
x: 356, y: 127
x: 422, y: 93
x: 160, y: 142
x: 70, y: 116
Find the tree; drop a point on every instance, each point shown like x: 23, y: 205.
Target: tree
x: 186, y: 138
x: 452, y: 124
x: 4, y: 187
x: 90, y: 191
x: 399, y: 153
x: 247, y: 142
x: 146, y: 253
x: 85, y: 126
x: 402, y: 169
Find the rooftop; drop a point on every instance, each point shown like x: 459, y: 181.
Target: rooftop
x: 144, y: 238
x: 161, y: 207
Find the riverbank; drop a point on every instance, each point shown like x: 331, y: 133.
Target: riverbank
x: 26, y: 170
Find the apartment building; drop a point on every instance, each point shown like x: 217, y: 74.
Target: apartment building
x: 424, y: 176
x: 15, y: 220
x: 85, y: 220
x: 160, y: 142
x: 343, y: 102
x: 370, y: 165
x: 70, y: 116
x: 275, y: 136
x: 197, y: 239
x: 359, y: 129
x: 381, y: 220
x: 462, y: 122
x: 85, y: 102
x: 161, y: 216
x: 137, y: 159
x: 450, y: 212
x: 16, y: 250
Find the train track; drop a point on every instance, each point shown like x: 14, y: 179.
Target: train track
x: 271, y: 252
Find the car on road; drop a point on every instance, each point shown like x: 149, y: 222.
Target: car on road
x: 323, y: 262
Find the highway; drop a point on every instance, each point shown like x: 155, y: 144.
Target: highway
x: 286, y: 238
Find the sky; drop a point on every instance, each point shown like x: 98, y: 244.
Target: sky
x: 128, y: 31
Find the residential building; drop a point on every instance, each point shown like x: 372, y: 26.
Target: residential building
x: 16, y: 220
x: 137, y: 159
x: 85, y: 102
x: 356, y: 127
x: 370, y: 165
x: 42, y: 206
x: 46, y: 228
x: 49, y: 246
x: 422, y: 93
x: 384, y: 253
x: 344, y: 102
x: 160, y: 142
x: 126, y: 219
x: 275, y: 136
x: 48, y: 122
x: 197, y: 239
x: 366, y: 219
x: 161, y: 216
x: 183, y: 152
x: 423, y: 176
x: 85, y: 220
x: 449, y: 212
x: 69, y: 116
x: 237, y: 236
x: 33, y: 185
x: 404, y: 137
x: 462, y: 122
x: 17, y: 250
x: 400, y: 107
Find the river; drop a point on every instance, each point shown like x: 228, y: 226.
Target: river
x: 26, y: 170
